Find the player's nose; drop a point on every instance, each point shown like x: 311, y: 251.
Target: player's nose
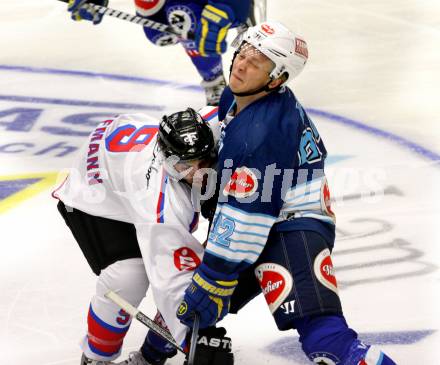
x: 240, y: 63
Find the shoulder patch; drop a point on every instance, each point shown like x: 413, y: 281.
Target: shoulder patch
x: 185, y: 259
x: 326, y: 203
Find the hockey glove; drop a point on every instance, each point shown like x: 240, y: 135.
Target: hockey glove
x: 79, y: 13
x: 209, y: 294
x: 211, y: 31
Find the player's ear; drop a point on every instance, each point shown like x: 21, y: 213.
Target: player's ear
x: 276, y: 83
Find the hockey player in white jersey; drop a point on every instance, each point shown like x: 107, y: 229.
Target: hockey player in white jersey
x: 129, y: 205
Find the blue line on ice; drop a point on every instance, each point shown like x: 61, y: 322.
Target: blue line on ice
x: 360, y: 126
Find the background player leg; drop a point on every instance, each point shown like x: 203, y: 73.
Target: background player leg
x: 184, y: 18
x: 209, y: 68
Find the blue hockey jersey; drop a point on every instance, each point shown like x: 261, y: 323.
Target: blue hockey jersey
x: 271, y: 176
x: 240, y: 8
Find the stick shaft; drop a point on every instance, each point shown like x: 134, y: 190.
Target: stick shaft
x: 195, y: 332
x: 141, y: 317
x: 130, y: 18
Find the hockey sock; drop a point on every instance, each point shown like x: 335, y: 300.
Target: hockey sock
x: 329, y: 340
x: 155, y: 348
x: 208, y: 67
x: 104, y: 339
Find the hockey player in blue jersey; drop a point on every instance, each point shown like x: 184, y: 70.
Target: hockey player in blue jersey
x: 273, y: 229
x: 209, y: 20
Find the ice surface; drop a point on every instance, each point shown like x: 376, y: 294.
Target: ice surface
x: 371, y: 86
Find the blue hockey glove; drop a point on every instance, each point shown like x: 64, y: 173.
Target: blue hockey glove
x: 209, y: 294
x: 79, y: 13
x: 211, y: 32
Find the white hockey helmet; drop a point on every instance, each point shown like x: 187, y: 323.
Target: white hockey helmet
x: 287, y: 50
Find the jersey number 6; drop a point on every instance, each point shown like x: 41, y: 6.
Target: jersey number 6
x: 128, y: 138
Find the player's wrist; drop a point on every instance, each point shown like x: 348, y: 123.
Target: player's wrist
x: 86, y: 13
x: 215, y: 275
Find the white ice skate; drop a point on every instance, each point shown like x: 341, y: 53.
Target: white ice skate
x: 214, y: 89
x: 86, y: 361
x: 136, y: 358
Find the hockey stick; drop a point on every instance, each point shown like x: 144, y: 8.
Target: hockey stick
x: 258, y: 12
x: 141, y: 317
x: 195, y: 333
x: 389, y: 190
x: 133, y: 19
x: 261, y: 5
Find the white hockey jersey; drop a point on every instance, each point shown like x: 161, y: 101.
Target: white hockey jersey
x: 117, y: 176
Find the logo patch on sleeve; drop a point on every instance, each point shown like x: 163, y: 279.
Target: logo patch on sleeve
x: 181, y: 18
x: 243, y: 183
x: 324, y: 271
x: 326, y: 200
x: 275, y: 282
x: 186, y: 259
x: 324, y: 358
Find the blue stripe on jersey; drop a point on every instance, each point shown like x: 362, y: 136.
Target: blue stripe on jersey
x: 251, y: 233
x: 248, y: 242
x: 303, y: 195
x: 228, y: 259
x: 262, y: 215
x: 244, y: 244
x: 194, y: 222
x: 246, y: 223
x: 234, y: 250
x: 161, y: 200
x: 307, y: 203
x: 315, y: 215
x: 311, y: 182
